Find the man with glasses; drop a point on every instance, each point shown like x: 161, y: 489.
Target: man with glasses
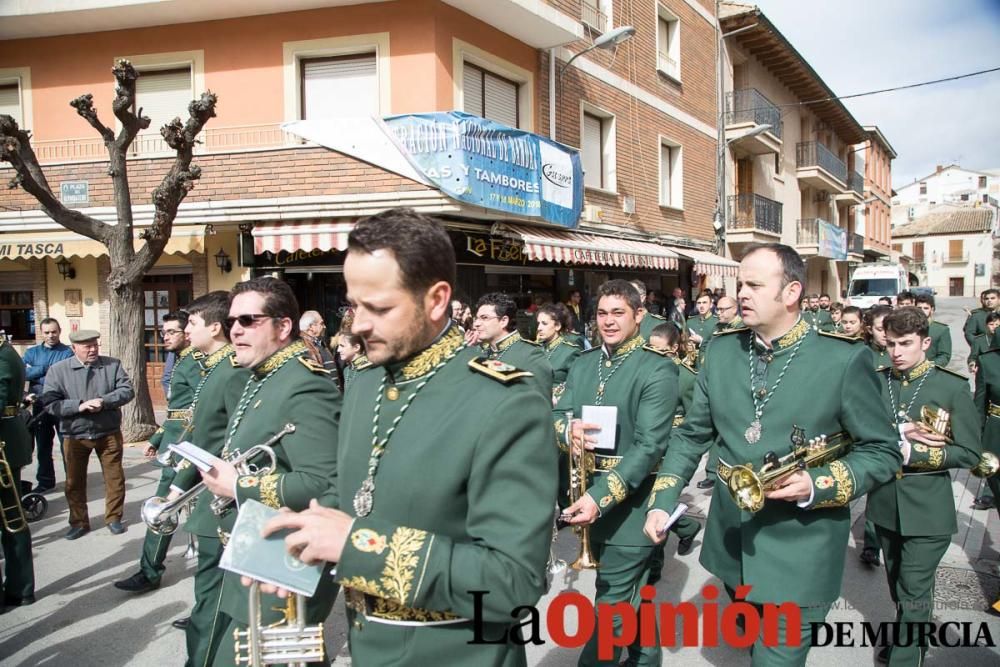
x: 183, y: 381
x: 37, y: 361
x: 86, y: 392
x: 495, y: 330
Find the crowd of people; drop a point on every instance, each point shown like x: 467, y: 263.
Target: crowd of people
x: 429, y: 444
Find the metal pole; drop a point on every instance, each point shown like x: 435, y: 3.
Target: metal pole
x: 552, y: 93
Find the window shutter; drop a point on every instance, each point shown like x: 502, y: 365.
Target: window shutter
x: 472, y: 90
x: 955, y: 248
x: 10, y: 102
x: 918, y: 251
x: 501, y: 100
x: 665, y: 193
x: 340, y: 87
x: 163, y: 95
x: 592, y: 149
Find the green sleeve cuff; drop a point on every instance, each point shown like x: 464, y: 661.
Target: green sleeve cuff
x: 185, y: 475
x: 608, y: 491
x: 264, y: 489
x: 385, y: 560
x: 665, y: 493
x: 154, y: 440
x: 562, y: 432
x: 833, y: 485
x: 923, y: 457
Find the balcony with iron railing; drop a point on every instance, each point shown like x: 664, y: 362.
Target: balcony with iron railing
x: 748, y: 112
x: 856, y: 183
x: 807, y: 232
x: 591, y: 14
x: 819, y: 167
x: 856, y: 244
x: 751, y: 212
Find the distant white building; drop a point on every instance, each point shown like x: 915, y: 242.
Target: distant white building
x: 951, y: 248
x: 947, y: 185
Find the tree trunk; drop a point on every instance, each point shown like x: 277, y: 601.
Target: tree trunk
x: 126, y: 344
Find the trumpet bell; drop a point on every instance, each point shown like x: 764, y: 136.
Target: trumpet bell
x: 988, y: 465
x: 586, y: 560
x: 746, y: 489
x: 156, y: 519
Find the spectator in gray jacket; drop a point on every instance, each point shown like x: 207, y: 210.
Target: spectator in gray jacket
x: 86, y: 393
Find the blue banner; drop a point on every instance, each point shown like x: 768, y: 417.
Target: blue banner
x: 487, y: 164
x: 832, y: 241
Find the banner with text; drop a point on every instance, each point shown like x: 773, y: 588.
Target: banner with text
x: 832, y: 241
x: 480, y: 162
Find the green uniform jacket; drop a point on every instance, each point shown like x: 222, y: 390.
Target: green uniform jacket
x: 287, y: 388
x: 687, y: 376
x: 463, y: 501
x: 351, y: 371
x: 703, y: 326
x: 218, y: 392
x: 527, y: 356
x: 650, y: 322
x: 643, y: 384
x: 975, y: 324
x: 821, y: 320
x: 987, y: 399
x: 829, y: 387
x: 981, y: 343
x: 919, y: 500
x: 881, y: 356
x: 185, y: 378
x: 561, y: 354
x: 939, y: 352
x: 13, y: 432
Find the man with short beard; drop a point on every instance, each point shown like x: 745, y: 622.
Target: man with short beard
x: 975, y: 324
x: 495, y: 331
x: 446, y: 471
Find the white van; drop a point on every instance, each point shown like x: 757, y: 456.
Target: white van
x: 871, y: 282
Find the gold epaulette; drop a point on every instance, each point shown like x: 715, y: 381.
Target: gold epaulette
x: 312, y: 365
x: 686, y: 364
x: 498, y: 370
x: 725, y: 332
x: 883, y: 368
x: 531, y: 342
x: 838, y: 336
x: 951, y: 372
x: 570, y: 343
x: 232, y: 360
x: 366, y: 364
x: 654, y: 350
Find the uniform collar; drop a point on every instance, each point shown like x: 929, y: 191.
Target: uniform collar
x: 632, y: 343
x: 920, y: 369
x: 360, y: 362
x: 554, y: 343
x: 279, y: 358
x: 507, y: 341
x: 422, y: 363
x: 211, y: 360
x: 785, y: 341
x: 185, y: 352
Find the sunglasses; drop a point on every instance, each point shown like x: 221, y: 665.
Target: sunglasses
x: 247, y: 321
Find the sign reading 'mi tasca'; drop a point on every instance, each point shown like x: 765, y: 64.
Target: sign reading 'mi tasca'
x: 28, y: 250
x: 480, y: 162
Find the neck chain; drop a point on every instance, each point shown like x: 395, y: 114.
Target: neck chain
x: 250, y: 390
x: 762, y: 395
x: 614, y: 366
x: 899, y: 410
x: 551, y: 346
x: 364, y: 499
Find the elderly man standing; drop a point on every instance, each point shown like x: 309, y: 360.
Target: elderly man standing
x: 313, y: 330
x: 86, y: 392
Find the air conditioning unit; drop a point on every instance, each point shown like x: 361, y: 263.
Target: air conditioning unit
x: 592, y: 213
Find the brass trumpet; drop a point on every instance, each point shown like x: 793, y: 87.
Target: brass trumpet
x: 581, y: 466
x: 747, y: 487
x: 289, y: 641
x: 938, y: 421
x: 11, y: 511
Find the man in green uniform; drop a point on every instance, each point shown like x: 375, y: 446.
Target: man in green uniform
x: 641, y: 383
x: 183, y: 381
x: 975, y: 324
x: 285, y: 387
x: 797, y: 384
x: 816, y: 317
x: 446, y: 477
x: 987, y: 401
x: 875, y: 316
x: 218, y: 390
x: 701, y: 327
x: 905, y: 298
x: 984, y: 342
x: 914, y: 513
x: 939, y: 352
x: 648, y: 321
x: 17, y: 579
x: 495, y: 330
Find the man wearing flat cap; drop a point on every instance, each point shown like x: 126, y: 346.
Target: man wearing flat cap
x: 86, y: 393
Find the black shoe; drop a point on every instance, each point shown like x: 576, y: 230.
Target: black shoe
x: 77, y: 531
x: 10, y: 601
x: 43, y: 488
x: 137, y: 583
x: 883, y: 655
x: 706, y: 483
x: 182, y: 623
x: 116, y: 527
x: 686, y: 544
x: 984, y: 503
x: 870, y: 557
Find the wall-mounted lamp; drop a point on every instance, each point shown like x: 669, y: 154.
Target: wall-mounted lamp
x: 222, y: 261
x: 66, y: 269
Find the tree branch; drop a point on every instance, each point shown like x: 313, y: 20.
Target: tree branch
x: 84, y: 106
x: 132, y: 123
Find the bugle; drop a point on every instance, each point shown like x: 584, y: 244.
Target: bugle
x: 244, y: 467
x: 747, y: 487
x: 11, y: 510
x: 581, y: 467
x: 938, y: 421
x: 289, y: 641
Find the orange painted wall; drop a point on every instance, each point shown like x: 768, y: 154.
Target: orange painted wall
x: 243, y: 60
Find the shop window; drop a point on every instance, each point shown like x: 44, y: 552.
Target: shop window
x: 17, y: 315
x: 339, y: 86
x: 490, y: 96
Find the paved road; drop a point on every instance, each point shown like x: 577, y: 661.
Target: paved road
x: 81, y: 620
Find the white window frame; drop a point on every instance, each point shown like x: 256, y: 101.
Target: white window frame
x: 293, y: 53
x: 22, y: 77
x: 674, y: 38
x: 463, y: 52
x: 609, y: 151
x: 676, y: 201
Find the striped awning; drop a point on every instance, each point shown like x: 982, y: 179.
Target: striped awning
x: 27, y: 245
x: 708, y: 264
x: 300, y: 235
x: 566, y: 247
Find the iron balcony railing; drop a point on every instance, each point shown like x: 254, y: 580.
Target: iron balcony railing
x: 752, y: 211
x: 814, y: 154
x: 750, y: 106
x: 807, y: 232
x: 591, y: 14
x: 857, y: 244
x: 856, y: 182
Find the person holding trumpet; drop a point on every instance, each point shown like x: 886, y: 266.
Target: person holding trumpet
x: 914, y: 513
x: 762, y: 393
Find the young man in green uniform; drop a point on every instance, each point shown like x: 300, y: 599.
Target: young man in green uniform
x: 495, y: 329
x: 985, y: 341
x: 796, y: 384
x: 875, y: 316
x: 914, y: 513
x: 817, y: 317
x: 940, y: 349
x: 17, y: 579
x: 701, y: 327
x: 446, y: 474
x: 183, y: 380
x: 975, y: 324
x: 285, y: 387
x: 641, y: 383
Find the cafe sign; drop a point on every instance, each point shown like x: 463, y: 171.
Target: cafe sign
x: 29, y: 250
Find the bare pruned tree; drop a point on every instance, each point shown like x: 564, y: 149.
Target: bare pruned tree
x: 128, y: 264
